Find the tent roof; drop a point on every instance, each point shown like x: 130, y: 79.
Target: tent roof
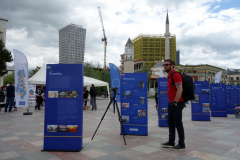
x: 40, y: 79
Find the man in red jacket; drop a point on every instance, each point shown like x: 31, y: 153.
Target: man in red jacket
x: 175, y: 107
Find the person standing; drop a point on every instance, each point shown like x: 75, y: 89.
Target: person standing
x: 10, y: 97
x: 93, y: 94
x: 85, y: 96
x: 2, y: 95
x: 39, y: 94
x: 175, y: 107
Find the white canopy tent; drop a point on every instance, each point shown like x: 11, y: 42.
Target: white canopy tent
x: 40, y: 79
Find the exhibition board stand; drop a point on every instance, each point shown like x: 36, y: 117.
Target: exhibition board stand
x: 218, y: 100
x: 201, y: 104
x: 162, y: 102
x: 232, y: 98
x: 63, y: 124
x: 134, y: 103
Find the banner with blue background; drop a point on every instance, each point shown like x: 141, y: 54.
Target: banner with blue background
x: 115, y: 79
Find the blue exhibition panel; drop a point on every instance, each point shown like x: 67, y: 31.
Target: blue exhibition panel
x: 232, y: 98
x: 134, y: 103
x: 201, y: 104
x: 63, y: 125
x: 162, y: 102
x: 218, y: 100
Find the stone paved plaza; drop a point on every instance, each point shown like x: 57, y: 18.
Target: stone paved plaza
x: 21, y: 138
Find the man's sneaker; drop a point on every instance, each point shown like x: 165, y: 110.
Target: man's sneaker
x: 178, y: 147
x: 168, y: 145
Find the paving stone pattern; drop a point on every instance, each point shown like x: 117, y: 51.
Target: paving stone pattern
x: 21, y: 137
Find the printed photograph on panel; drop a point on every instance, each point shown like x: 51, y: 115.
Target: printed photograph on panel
x: 62, y: 94
x: 164, y: 110
x: 51, y: 128
x: 205, y: 91
x: 164, y: 115
x: 125, y: 119
x: 142, y: 100
x: 72, y: 94
x: 125, y: 105
x: 206, y: 107
x: 61, y: 128
x: 196, y: 98
x: 72, y: 128
x: 52, y: 94
x: 141, y: 113
x: 140, y: 84
x: 127, y: 93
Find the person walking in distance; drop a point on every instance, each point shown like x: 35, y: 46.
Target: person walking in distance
x: 39, y: 94
x: 175, y: 106
x: 10, y: 97
x: 93, y: 94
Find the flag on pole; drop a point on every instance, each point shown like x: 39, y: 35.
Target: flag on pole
x: 218, y: 77
x: 115, y: 79
x: 161, y: 72
x: 21, y: 79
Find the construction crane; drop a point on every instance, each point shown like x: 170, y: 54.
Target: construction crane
x: 104, y: 37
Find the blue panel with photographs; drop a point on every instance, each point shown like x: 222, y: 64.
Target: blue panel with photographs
x: 218, y: 100
x: 232, y: 98
x: 201, y: 103
x: 134, y: 103
x: 63, y: 125
x: 162, y: 102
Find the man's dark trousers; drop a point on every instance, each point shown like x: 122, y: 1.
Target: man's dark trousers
x: 11, y: 101
x: 175, y: 121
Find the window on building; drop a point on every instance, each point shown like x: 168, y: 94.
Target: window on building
x: 237, y: 78
x: 231, y: 78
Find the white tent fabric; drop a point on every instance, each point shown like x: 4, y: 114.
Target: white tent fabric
x: 40, y: 79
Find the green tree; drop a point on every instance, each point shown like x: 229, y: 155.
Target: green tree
x: 34, y: 71
x: 147, y: 70
x: 105, y: 76
x: 232, y: 83
x: 89, y: 70
x: 8, y: 79
x: 5, y: 56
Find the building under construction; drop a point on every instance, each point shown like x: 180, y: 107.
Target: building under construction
x: 150, y: 48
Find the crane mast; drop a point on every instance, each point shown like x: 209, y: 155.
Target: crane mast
x: 104, y: 37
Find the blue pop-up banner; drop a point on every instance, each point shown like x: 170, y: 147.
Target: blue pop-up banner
x: 201, y: 104
x: 218, y: 100
x: 63, y: 125
x: 134, y: 103
x: 162, y: 102
x: 232, y: 98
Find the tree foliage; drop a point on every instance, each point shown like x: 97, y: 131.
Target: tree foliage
x: 34, y: 71
x: 5, y: 56
x: 8, y: 79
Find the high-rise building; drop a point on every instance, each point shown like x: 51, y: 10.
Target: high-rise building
x: 153, y: 48
x: 178, y: 57
x: 72, y: 44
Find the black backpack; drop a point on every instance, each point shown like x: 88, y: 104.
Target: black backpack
x: 188, y: 86
x: 95, y: 92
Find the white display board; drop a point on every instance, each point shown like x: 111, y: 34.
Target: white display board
x: 32, y: 95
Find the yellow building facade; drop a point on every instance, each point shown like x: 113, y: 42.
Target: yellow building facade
x: 150, y: 48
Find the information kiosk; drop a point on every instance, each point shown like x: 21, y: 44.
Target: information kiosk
x: 63, y: 125
x: 134, y: 103
x: 218, y: 100
x: 201, y: 104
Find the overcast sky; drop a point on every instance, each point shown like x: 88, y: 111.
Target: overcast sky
x: 207, y: 31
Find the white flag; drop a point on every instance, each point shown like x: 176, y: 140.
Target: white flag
x: 21, y: 79
x: 161, y: 72
x: 218, y: 77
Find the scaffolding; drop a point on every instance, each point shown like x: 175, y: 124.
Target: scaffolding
x: 150, y: 48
